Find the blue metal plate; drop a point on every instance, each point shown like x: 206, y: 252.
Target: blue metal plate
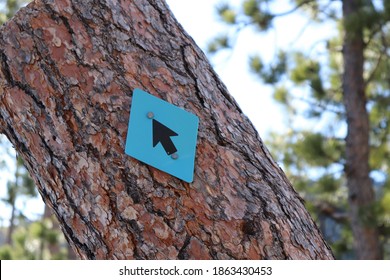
x: 162, y: 135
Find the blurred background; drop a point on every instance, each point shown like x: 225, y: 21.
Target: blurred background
x: 282, y: 60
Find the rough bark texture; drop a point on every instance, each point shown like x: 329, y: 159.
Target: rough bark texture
x: 68, y: 69
x: 361, y: 195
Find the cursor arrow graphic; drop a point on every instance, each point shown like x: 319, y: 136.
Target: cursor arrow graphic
x: 162, y: 134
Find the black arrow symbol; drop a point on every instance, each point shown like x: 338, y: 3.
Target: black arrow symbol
x: 163, y: 134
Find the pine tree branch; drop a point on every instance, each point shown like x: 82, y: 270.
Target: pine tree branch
x: 373, y: 72
x: 324, y: 107
x: 385, y: 47
x: 300, y: 5
x: 380, y: 58
x: 303, y: 3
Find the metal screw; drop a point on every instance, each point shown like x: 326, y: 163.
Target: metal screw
x: 150, y: 115
x: 174, y: 156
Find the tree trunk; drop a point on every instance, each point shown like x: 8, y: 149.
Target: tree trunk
x: 11, y: 227
x: 48, y: 214
x: 68, y: 70
x: 55, y: 249
x: 13, y: 194
x: 361, y: 195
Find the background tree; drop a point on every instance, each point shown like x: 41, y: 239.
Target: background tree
x: 337, y: 161
x: 33, y: 241
x: 9, y: 8
x: 22, y: 185
x: 65, y: 104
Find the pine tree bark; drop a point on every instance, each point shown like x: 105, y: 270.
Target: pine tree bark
x: 361, y: 194
x: 68, y: 70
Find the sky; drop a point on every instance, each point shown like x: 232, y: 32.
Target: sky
x: 200, y: 20
x: 254, y: 98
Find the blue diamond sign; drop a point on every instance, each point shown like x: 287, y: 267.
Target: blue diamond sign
x: 162, y: 135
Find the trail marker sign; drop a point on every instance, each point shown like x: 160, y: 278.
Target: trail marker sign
x: 162, y: 135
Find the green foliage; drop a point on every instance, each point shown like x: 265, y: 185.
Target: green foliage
x: 6, y: 252
x: 317, y: 150
x: 385, y: 203
x: 386, y: 10
x: 328, y: 184
x: 263, y: 20
x: 270, y: 74
x: 258, y: 16
x: 227, y: 13
x: 281, y: 95
x: 343, y: 247
x: 256, y: 64
x: 32, y: 241
x: 37, y: 230
x: 308, y: 70
x: 311, y: 148
x: 43, y: 230
x: 250, y: 7
x: 219, y: 43
x: 384, y: 210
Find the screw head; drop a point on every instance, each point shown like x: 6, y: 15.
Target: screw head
x: 174, y: 156
x: 150, y: 115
